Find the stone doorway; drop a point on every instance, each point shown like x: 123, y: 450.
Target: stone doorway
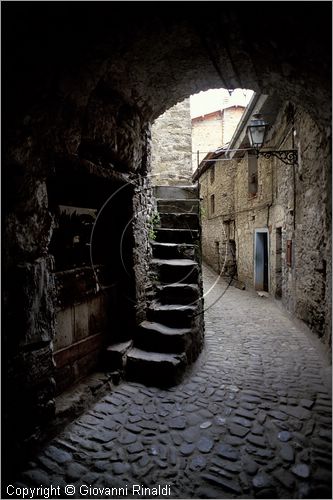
x: 261, y: 278
x: 93, y: 259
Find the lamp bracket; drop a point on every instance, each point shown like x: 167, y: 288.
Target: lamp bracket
x: 289, y: 156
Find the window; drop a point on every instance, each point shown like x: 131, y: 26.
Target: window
x: 253, y: 174
x: 212, y: 173
x: 212, y: 204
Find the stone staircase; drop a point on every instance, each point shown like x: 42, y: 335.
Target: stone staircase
x: 171, y: 337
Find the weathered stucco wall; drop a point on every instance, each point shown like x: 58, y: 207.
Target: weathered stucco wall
x: 207, y: 135
x: 211, y: 131
x: 313, y: 228
x: 230, y: 119
x: 172, y: 146
x: 251, y: 212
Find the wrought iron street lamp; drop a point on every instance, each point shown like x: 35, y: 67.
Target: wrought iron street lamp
x: 256, y: 132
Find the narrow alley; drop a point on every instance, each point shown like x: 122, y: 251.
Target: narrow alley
x: 250, y: 420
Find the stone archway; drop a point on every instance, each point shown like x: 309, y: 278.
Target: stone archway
x: 85, y: 83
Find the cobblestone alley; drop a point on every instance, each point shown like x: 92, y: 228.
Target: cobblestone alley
x: 251, y: 420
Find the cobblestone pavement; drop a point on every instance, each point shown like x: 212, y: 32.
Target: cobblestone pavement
x: 251, y: 420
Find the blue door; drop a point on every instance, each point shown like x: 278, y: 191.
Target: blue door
x: 261, y: 261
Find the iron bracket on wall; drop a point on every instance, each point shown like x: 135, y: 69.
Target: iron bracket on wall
x: 289, y: 156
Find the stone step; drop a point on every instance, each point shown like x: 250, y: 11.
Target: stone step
x: 178, y: 293
x: 152, y: 336
x: 166, y: 235
x: 179, y: 221
x: 115, y: 355
x: 173, y: 250
x: 176, y: 192
x: 173, y: 315
x: 176, y: 270
x: 155, y: 368
x: 180, y: 206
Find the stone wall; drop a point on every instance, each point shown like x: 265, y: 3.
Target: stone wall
x: 291, y: 206
x: 172, y: 146
x: 50, y: 161
x: 143, y: 210
x: 217, y: 226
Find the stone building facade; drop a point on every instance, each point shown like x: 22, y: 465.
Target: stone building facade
x: 265, y: 222
x: 217, y: 211
x: 178, y: 142
x: 172, y: 146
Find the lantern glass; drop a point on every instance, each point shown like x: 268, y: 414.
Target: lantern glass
x: 256, y: 133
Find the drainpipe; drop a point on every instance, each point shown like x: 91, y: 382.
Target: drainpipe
x: 294, y: 171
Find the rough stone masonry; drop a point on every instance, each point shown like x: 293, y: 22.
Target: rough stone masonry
x: 85, y: 86
x: 172, y: 146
